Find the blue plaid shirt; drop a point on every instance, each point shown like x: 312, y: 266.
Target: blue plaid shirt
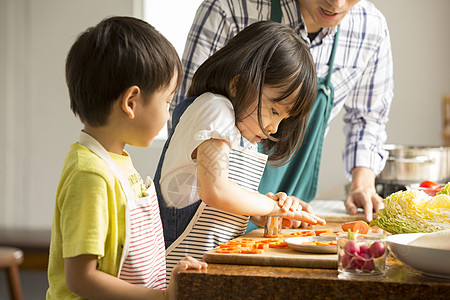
x: 362, y: 74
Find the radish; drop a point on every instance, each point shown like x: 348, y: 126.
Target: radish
x: 352, y: 248
x: 377, y: 249
x: 347, y: 262
x: 364, y: 251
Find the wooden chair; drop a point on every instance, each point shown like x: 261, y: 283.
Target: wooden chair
x: 10, y: 259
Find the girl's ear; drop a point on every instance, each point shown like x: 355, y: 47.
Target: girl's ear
x: 129, y: 100
x: 233, y: 85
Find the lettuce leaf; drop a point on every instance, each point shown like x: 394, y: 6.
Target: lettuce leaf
x: 414, y: 211
x: 445, y: 190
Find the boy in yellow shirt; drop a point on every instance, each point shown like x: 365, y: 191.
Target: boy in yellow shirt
x: 107, y: 240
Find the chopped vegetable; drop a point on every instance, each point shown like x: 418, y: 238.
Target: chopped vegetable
x: 356, y: 226
x: 272, y: 236
x: 278, y: 245
x: 327, y: 234
x: 250, y: 246
x: 319, y: 232
x: 252, y: 251
x: 325, y: 243
x: 414, y: 211
x: 377, y: 249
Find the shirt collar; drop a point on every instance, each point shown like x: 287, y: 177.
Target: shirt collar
x: 302, y: 30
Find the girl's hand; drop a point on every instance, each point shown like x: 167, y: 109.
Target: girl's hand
x: 187, y: 263
x: 297, y: 224
x: 285, y: 202
x: 291, y: 203
x: 297, y: 215
x: 306, y: 218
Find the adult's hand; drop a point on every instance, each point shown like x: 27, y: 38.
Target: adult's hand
x: 362, y: 193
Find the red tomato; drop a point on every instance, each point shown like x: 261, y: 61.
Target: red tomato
x: 430, y: 185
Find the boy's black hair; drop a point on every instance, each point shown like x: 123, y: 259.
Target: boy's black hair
x: 107, y: 59
x: 264, y: 53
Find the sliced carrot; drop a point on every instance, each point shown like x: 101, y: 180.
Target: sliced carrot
x: 272, y: 236
x: 327, y: 234
x: 321, y: 231
x: 243, y: 245
x: 309, y: 243
x: 304, y: 233
x: 263, y: 246
x: 360, y: 226
x: 252, y: 251
x: 229, y: 245
x: 323, y: 243
x: 244, y: 240
x: 269, y: 241
x: 278, y: 245
x: 229, y: 250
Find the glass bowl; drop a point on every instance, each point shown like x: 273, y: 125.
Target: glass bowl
x: 364, y: 255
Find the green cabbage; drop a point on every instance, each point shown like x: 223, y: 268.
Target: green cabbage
x: 445, y: 190
x: 414, y: 211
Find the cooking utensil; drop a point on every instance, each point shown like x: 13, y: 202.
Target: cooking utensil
x: 412, y: 164
x: 272, y: 226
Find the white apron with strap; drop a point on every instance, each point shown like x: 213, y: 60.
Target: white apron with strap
x: 142, y: 262
x: 210, y: 226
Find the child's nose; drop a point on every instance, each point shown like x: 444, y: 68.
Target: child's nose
x: 272, y: 127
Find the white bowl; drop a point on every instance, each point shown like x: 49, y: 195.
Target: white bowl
x: 429, y: 261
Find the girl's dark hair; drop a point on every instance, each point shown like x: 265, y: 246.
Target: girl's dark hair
x: 116, y: 54
x: 264, y: 53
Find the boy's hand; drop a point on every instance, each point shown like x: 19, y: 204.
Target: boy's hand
x: 190, y: 263
x: 187, y: 263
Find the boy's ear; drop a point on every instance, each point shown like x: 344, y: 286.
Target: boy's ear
x: 129, y: 100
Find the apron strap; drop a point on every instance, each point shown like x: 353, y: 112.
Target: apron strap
x: 93, y: 145
x: 333, y: 54
x: 299, y: 176
x: 275, y: 11
x: 174, y: 220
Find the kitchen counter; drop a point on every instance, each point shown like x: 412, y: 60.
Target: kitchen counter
x: 226, y: 281
x: 222, y: 281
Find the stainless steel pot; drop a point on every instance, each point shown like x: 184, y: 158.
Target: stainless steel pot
x: 413, y: 164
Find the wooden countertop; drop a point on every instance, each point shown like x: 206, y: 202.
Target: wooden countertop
x: 225, y: 281
x: 261, y: 282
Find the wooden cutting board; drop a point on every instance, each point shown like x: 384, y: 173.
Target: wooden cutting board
x: 273, y: 256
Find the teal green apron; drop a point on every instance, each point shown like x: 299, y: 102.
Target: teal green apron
x: 299, y: 177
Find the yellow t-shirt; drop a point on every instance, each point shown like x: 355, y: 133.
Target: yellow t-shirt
x: 89, y: 216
